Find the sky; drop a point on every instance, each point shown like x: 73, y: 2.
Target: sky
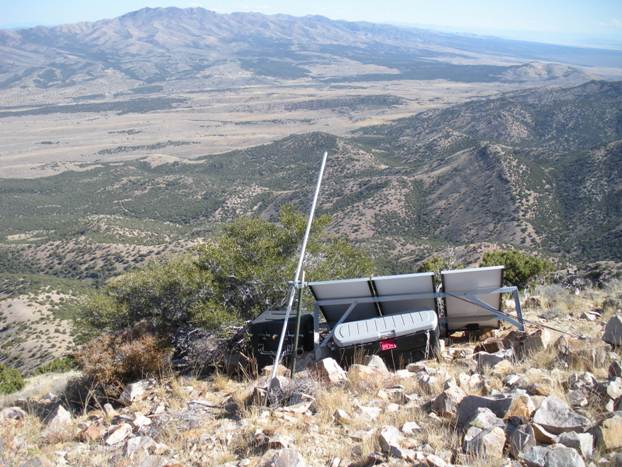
x: 595, y: 23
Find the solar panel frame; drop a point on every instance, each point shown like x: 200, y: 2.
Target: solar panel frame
x: 344, y: 289
x: 405, y: 284
x: 458, y: 311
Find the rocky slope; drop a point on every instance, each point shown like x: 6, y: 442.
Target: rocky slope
x: 534, y: 398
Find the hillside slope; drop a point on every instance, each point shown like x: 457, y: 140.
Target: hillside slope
x: 534, y: 169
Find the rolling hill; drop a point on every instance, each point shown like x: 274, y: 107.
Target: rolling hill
x: 163, y: 45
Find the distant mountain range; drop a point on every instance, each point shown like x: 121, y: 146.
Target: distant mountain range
x: 536, y: 168
x: 171, y: 44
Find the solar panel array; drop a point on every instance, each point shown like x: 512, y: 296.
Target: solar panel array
x: 459, y: 313
x: 352, y: 289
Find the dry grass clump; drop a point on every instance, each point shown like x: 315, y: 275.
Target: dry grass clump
x: 111, y: 361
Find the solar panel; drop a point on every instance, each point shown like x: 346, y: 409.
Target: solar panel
x: 461, y: 314
x: 405, y: 284
x: 344, y: 289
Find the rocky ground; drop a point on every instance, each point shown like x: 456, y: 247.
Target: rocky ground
x: 538, y: 398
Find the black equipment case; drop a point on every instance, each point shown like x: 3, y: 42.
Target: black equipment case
x: 265, y: 331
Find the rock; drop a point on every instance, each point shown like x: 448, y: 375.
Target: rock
x: 608, y: 433
x: 376, y: 362
x: 59, y: 422
x: 543, y: 436
x: 521, y: 439
x: 281, y: 370
x: 109, y: 411
x: 134, y: 392
x: 582, y: 442
x: 577, y: 398
x: 556, y: 417
x: 410, y: 428
x: 613, y: 388
x: 342, y: 417
x: 613, y: 331
x: 390, y: 439
x: 535, y: 456
x: 467, y: 409
x: 138, y: 444
x: 118, y: 434
x: 489, y: 360
x: 585, y: 380
x: 92, y: 433
x: 369, y: 413
x: 472, y: 383
x: 522, y: 406
x: 524, y: 344
x: 485, y: 419
x: 363, y: 373
x: 488, y: 443
x: 557, y: 456
x: 141, y: 421
x: 280, y: 441
x: 428, y: 383
x: 583, y: 353
x: 490, y: 345
x: 446, y: 403
x: 329, y: 370
x: 288, y: 457
x: 615, y: 370
x: 12, y: 413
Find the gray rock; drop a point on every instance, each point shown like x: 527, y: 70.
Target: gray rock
x: 374, y: 361
x: 410, y: 428
x: 12, y: 413
x: 330, y: 371
x: 118, y: 434
x: 488, y: 360
x: 485, y: 419
x: 556, y: 417
x: 521, y: 439
x: 615, y: 369
x: 488, y: 443
x: 577, y: 398
x: 582, y: 442
x: 390, y: 439
x: 557, y: 456
x: 446, y: 403
x: 59, y: 422
x: 288, y: 457
x: 613, y: 331
x: 585, y: 380
x: 134, y: 392
x: 467, y: 409
x: 613, y: 388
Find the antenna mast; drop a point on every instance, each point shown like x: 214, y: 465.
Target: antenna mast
x: 296, y: 284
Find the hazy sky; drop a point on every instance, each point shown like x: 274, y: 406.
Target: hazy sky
x: 581, y: 22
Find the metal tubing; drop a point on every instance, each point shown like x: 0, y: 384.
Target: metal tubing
x: 292, y: 368
x: 296, y: 284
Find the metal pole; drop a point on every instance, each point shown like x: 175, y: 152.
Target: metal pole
x: 292, y: 367
x: 292, y: 293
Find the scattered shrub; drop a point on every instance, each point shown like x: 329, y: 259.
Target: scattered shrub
x: 11, y: 380
x: 113, y: 360
x: 58, y: 365
x: 521, y: 269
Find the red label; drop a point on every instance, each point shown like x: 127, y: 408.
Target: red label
x: 388, y: 345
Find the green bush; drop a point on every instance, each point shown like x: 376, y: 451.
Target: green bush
x: 58, y: 365
x: 521, y: 269
x: 11, y: 380
x: 234, y: 276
